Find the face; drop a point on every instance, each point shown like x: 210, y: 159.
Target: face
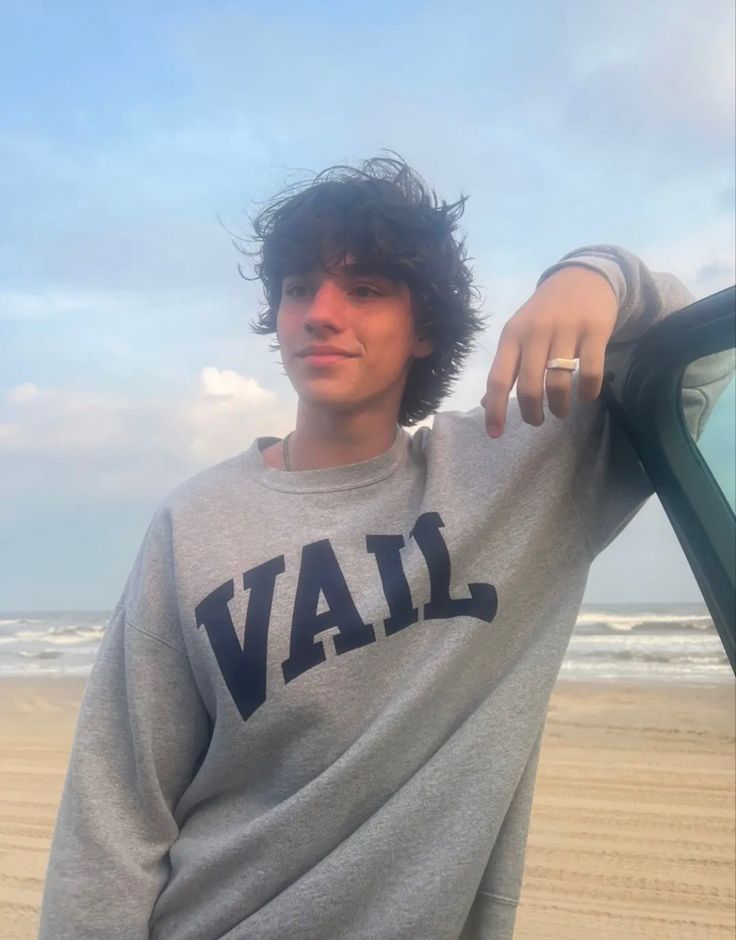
x: 366, y: 316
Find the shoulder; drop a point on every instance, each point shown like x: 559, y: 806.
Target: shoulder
x: 460, y: 438
x: 213, y: 489
x: 457, y: 429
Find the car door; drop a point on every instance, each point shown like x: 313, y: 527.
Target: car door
x: 694, y: 479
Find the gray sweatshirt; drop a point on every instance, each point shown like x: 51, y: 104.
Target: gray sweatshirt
x: 317, y: 709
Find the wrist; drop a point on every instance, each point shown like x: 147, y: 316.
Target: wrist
x: 582, y: 272
x: 573, y: 277
x: 596, y: 263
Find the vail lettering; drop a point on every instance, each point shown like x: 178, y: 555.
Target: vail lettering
x: 244, y: 668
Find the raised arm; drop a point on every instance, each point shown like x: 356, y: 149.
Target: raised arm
x: 593, y: 300
x: 595, y: 304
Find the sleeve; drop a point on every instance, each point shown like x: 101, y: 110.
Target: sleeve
x: 141, y: 731
x: 609, y: 484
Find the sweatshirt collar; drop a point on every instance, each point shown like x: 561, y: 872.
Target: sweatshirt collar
x: 328, y: 479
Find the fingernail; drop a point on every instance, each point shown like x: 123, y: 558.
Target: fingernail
x: 494, y: 430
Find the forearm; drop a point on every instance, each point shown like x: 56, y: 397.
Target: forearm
x: 609, y: 484
x: 644, y: 297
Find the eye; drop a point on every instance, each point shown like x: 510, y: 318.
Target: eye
x: 296, y: 289
x: 371, y: 291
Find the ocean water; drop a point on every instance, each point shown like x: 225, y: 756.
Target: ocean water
x: 611, y: 642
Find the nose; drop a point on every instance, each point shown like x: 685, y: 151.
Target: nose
x: 326, y: 307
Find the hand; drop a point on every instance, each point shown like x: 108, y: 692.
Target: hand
x: 571, y: 315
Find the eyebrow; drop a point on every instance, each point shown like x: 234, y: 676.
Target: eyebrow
x: 350, y: 271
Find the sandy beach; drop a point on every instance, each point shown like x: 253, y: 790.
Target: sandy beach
x: 632, y: 835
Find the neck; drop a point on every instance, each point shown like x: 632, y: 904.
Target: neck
x: 336, y: 440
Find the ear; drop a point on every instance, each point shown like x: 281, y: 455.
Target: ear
x: 422, y: 347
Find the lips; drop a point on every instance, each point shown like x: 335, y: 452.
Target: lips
x: 319, y: 351
x: 325, y: 359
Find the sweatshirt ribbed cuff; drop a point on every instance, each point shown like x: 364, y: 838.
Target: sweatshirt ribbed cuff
x: 602, y: 260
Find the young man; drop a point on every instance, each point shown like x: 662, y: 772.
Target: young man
x: 317, y: 709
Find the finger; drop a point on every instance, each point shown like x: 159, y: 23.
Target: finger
x: 558, y: 382
x: 592, y: 366
x: 500, y: 381
x: 530, y: 388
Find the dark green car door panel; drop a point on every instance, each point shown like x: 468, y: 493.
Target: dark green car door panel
x: 694, y: 346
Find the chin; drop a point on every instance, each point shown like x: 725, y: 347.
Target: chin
x: 327, y: 402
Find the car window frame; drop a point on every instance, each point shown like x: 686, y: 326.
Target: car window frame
x: 647, y: 402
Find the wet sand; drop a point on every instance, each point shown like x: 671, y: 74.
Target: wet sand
x: 632, y: 833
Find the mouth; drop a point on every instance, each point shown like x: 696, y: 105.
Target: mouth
x: 324, y: 359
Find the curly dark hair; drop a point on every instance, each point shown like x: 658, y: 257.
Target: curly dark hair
x: 385, y: 216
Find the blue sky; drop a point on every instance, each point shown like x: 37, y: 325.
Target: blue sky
x: 135, y: 136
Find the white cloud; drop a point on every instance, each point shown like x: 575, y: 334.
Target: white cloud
x: 106, y: 446
x: 228, y: 384
x: 28, y: 391
x: 226, y: 407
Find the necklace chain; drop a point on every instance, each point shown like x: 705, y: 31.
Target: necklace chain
x: 285, y: 448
